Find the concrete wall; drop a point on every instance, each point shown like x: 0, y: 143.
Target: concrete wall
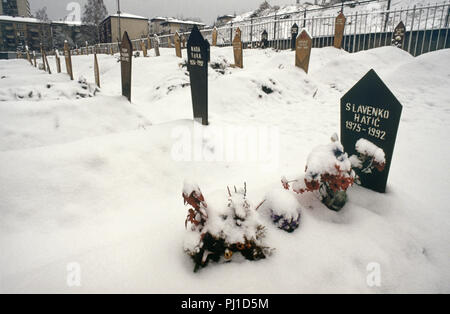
x: 136, y: 28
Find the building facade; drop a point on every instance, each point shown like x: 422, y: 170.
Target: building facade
x: 136, y: 26
x: 168, y: 25
x: 15, y: 8
x: 223, y: 20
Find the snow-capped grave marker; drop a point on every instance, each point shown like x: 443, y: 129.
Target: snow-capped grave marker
x: 68, y: 58
x: 264, y: 40
x: 399, y: 35
x: 339, y: 30
x: 294, y: 33
x: 197, y: 49
x: 303, y: 50
x: 178, y: 45
x: 126, y: 59
x: 144, y: 49
x: 214, y: 37
x: 58, y: 61
x: 157, y: 46
x: 370, y: 111
x: 96, y: 70
x: 237, y: 50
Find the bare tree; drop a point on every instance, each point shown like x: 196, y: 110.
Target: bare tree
x: 41, y: 15
x: 94, y: 13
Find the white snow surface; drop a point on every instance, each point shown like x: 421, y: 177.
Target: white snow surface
x: 93, y: 180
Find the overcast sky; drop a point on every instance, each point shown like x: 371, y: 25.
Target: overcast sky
x: 207, y: 10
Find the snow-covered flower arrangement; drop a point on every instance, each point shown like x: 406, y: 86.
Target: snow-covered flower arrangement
x: 330, y: 172
x: 221, y: 234
x: 283, y: 209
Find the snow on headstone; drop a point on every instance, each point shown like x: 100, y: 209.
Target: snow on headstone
x: 197, y: 50
x: 294, y: 33
x: 237, y: 50
x: 126, y: 59
x: 303, y: 51
x: 339, y: 30
x: 370, y: 111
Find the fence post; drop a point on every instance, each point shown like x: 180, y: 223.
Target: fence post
x: 387, y: 15
x: 354, y: 35
x: 231, y: 33
x: 275, y: 32
x: 251, y: 32
x: 412, y: 28
x: 304, y: 19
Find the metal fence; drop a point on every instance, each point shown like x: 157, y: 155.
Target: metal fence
x: 427, y: 29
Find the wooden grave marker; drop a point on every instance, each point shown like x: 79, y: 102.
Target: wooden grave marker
x: 370, y: 111
x: 264, y: 40
x: 177, y: 40
x: 58, y: 61
x: 149, y: 42
x: 42, y: 56
x: 47, y: 66
x: 237, y: 50
x: 126, y: 59
x: 339, y: 30
x: 96, y: 71
x: 157, y: 54
x: 214, y: 37
x: 303, y: 50
x: 68, y: 58
x: 28, y: 55
x: 198, y: 73
x: 144, y: 49
x: 34, y: 59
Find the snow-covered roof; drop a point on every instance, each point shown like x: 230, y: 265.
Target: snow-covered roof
x: 177, y: 21
x: 71, y: 23
x: 19, y: 19
x: 129, y: 16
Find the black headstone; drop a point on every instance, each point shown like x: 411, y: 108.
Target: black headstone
x: 264, y: 40
x: 126, y: 58
x: 370, y: 111
x: 197, y: 49
x: 294, y: 33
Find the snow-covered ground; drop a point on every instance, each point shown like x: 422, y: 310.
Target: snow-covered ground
x: 97, y: 181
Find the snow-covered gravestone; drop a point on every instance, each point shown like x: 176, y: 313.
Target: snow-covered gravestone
x: 197, y: 50
x: 294, y: 33
x: 126, y: 59
x: 339, y: 30
x: 214, y: 37
x: 96, y: 70
x: 237, y: 50
x: 399, y: 35
x: 177, y: 40
x: 157, y: 46
x: 68, y: 58
x: 370, y: 111
x: 303, y: 50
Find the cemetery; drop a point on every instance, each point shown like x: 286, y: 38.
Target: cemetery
x: 263, y: 166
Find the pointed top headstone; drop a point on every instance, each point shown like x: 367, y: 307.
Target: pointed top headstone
x: 399, y: 35
x: 294, y: 34
x: 126, y: 57
x: 369, y: 110
x: 339, y: 30
x: 303, y: 50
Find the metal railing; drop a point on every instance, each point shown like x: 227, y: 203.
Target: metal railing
x: 427, y: 29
